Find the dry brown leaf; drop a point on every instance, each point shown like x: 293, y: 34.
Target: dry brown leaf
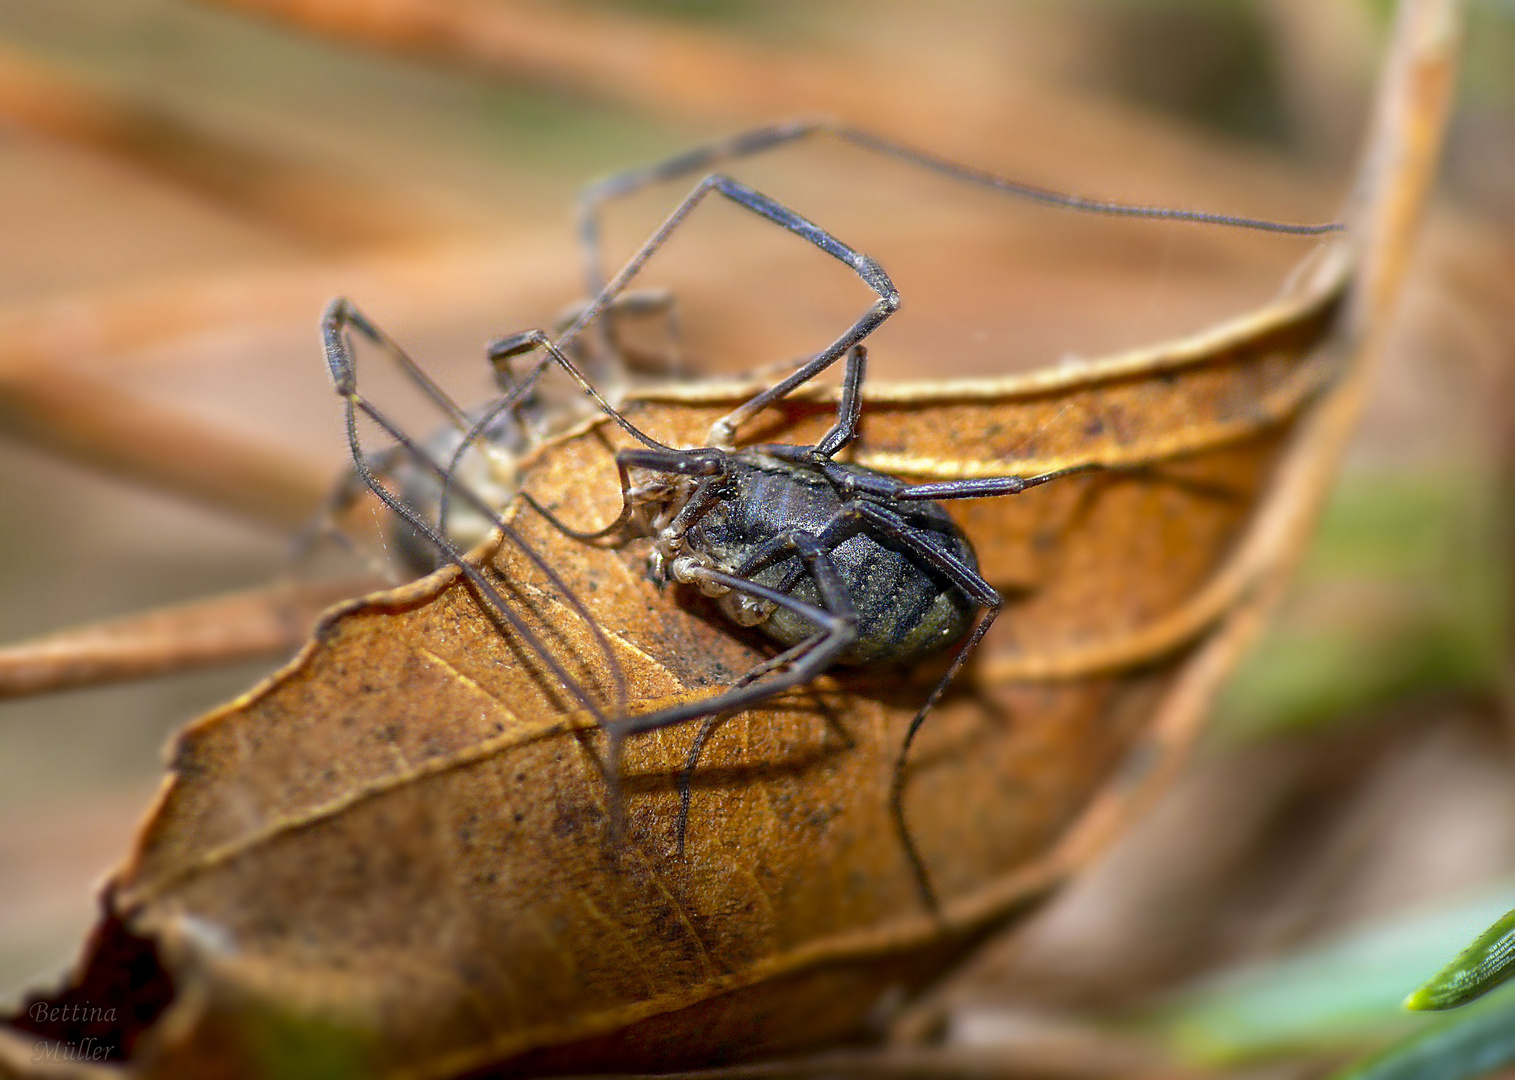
x: 406, y: 834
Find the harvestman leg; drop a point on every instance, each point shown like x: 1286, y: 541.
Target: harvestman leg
x: 347, y: 490
x: 960, y: 574
x: 836, y: 620
x: 836, y: 623
x: 758, y: 140
x: 694, y: 462
x: 722, y: 433
x: 815, y: 549
x: 707, y: 729
x: 501, y: 352
x: 340, y: 318
x: 765, y: 138
x: 975, y: 587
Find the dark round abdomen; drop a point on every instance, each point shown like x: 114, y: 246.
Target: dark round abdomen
x: 906, y: 608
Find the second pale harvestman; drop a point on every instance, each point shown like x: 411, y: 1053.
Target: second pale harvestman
x: 833, y: 562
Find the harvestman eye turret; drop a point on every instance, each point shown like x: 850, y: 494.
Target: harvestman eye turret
x: 833, y: 562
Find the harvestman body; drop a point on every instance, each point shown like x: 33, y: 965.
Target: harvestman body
x: 835, y: 563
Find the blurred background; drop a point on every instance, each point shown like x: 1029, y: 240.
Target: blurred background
x: 183, y: 186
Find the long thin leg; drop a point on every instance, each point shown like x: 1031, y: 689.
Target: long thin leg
x: 882, y: 486
x: 345, y: 493
x: 961, y: 575
x: 958, y: 572
x: 850, y: 409
x: 703, y: 158
x: 500, y: 354
x: 978, y: 591
x: 346, y: 312
x: 723, y: 432
x: 837, y: 621
x: 340, y: 317
x: 987, y: 486
x: 838, y: 617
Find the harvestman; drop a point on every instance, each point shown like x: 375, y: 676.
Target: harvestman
x: 834, y: 562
